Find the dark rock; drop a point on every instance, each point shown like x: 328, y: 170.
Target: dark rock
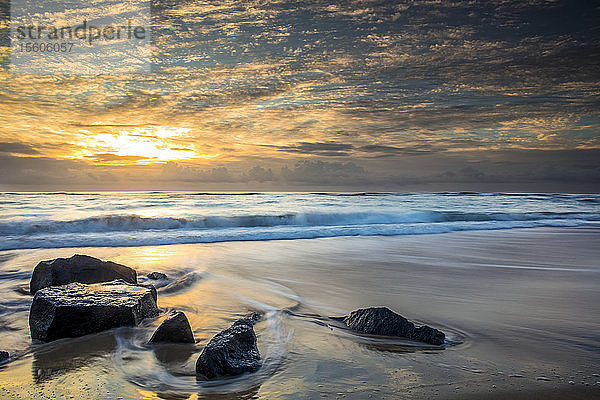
x: 79, y: 268
x: 230, y: 352
x: 384, y: 322
x: 3, y: 356
x: 174, y: 329
x: 156, y: 276
x: 427, y: 334
x: 249, y: 319
x: 78, y: 309
x: 182, y: 283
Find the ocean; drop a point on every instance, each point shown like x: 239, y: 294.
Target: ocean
x: 513, y: 281
x: 57, y: 220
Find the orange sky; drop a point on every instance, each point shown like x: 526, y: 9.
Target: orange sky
x: 357, y: 94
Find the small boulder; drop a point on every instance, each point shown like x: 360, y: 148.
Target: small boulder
x: 175, y: 329
x: 384, y: 322
x: 78, y: 309
x: 427, y: 334
x: 3, y: 356
x: 156, y: 276
x: 230, y: 352
x: 182, y: 283
x: 79, y: 268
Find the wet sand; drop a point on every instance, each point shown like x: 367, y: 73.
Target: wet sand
x: 520, y: 307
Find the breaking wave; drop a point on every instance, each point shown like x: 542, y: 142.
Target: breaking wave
x: 134, y: 230
x: 128, y: 223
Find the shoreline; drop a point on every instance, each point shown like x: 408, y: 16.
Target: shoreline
x: 515, y: 295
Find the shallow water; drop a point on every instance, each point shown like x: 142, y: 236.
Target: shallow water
x: 520, y: 309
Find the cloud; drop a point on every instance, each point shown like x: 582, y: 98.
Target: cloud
x: 524, y: 169
x: 260, y: 174
x: 109, y: 157
x: 336, y: 149
x: 175, y: 171
x: 506, y: 170
x: 396, y: 93
x: 104, y: 177
x: 413, y: 149
x: 17, y: 148
x: 324, y: 173
x: 21, y: 170
x: 316, y: 148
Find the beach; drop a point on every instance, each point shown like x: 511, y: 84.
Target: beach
x: 300, y: 200
x: 519, y: 308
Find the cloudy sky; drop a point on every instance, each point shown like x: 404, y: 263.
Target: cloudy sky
x: 418, y: 95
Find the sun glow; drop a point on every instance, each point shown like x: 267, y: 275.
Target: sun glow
x: 138, y: 146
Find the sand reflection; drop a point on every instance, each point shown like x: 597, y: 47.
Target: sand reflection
x: 58, y: 358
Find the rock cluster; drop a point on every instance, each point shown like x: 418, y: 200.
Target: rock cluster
x: 81, y: 295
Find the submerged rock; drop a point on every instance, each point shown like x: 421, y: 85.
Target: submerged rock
x: 230, y: 352
x: 384, y: 322
x: 3, y: 356
x: 156, y: 276
x: 174, y: 329
x: 79, y: 268
x: 182, y: 283
x: 78, y: 309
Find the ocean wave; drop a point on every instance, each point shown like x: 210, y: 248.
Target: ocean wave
x: 129, y: 223
x: 356, y: 194
x: 137, y: 223
x: 49, y: 219
x: 578, y: 197
x: 166, y: 237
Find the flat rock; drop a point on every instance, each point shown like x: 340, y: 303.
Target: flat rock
x: 79, y: 268
x: 384, y: 322
x: 156, y: 276
x: 175, y: 329
x: 230, y: 352
x: 79, y: 309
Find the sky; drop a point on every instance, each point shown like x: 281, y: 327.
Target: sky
x: 287, y: 95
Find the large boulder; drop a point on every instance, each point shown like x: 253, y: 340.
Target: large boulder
x: 175, y: 329
x: 78, y: 309
x: 79, y: 268
x: 384, y: 322
x: 230, y: 352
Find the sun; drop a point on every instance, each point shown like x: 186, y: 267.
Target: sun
x: 158, y: 143
x: 142, y: 145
